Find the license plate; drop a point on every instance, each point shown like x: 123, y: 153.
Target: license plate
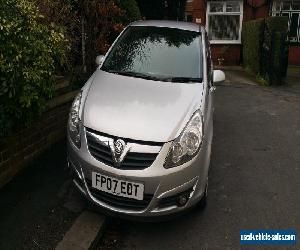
x: 118, y: 187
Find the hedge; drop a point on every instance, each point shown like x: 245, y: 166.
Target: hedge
x: 252, y: 38
x: 277, y: 23
x: 265, y: 50
x: 279, y: 27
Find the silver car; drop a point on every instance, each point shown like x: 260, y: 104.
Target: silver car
x: 140, y: 130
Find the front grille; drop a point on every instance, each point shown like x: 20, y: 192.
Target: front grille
x: 133, y: 160
x: 100, y: 152
x: 118, y: 201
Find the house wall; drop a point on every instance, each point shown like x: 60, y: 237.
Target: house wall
x: 261, y: 11
x: 231, y: 54
x: 294, y: 55
x: 197, y: 8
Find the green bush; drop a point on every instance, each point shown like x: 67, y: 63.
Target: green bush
x: 265, y: 50
x: 278, y: 27
x: 252, y: 38
x: 132, y: 10
x: 277, y: 23
x: 29, y: 52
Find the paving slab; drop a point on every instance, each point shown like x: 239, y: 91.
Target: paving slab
x: 84, y: 232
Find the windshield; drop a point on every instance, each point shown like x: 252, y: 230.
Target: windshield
x: 157, y: 53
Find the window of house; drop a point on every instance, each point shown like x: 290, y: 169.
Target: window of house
x: 224, y: 21
x: 290, y: 9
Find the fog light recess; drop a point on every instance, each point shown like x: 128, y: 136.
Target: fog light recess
x: 178, y: 200
x: 182, y: 200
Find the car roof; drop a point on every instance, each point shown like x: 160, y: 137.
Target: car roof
x: 168, y: 24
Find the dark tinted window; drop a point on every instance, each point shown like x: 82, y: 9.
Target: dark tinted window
x: 158, y: 53
x: 189, y: 18
x: 294, y: 25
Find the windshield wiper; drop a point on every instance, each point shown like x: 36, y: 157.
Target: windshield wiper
x: 155, y: 78
x: 135, y: 74
x: 185, y: 79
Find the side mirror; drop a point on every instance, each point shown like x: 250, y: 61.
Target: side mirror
x: 99, y: 60
x: 219, y: 76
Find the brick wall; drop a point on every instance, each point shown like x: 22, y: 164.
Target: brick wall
x: 197, y: 8
x: 22, y: 147
x: 261, y: 11
x: 294, y: 55
x: 232, y: 56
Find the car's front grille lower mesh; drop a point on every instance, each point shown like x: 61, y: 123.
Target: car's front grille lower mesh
x: 132, y: 160
x: 118, y: 201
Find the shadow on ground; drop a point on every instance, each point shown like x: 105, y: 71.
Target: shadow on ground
x: 40, y: 204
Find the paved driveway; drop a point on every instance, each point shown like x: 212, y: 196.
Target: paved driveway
x: 254, y: 181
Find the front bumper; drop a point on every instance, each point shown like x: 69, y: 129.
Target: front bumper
x: 162, y: 186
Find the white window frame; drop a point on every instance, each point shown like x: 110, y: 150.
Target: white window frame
x: 240, y: 13
x: 289, y: 12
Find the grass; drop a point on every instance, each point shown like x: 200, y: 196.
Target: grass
x: 258, y: 78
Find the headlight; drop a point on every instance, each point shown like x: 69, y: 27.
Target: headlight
x: 187, y: 145
x: 74, y: 121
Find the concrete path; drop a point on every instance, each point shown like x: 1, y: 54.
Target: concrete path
x: 84, y: 232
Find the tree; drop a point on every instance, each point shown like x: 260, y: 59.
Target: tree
x: 175, y: 9
x: 102, y: 24
x: 153, y: 9
x: 64, y: 13
x: 163, y: 9
x: 132, y: 11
